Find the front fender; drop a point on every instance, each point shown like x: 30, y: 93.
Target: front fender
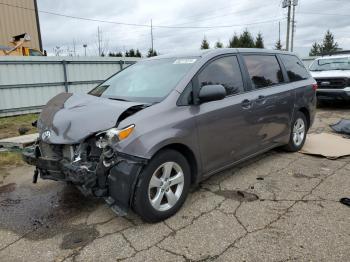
x: 148, y: 144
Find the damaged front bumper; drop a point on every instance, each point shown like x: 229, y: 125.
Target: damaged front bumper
x: 115, y: 181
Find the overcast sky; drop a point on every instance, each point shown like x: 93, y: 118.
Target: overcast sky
x: 313, y: 18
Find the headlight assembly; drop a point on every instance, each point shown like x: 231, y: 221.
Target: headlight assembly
x: 113, y: 135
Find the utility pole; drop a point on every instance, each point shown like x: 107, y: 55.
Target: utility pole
x: 287, y: 3
x: 99, y: 41
x: 152, y: 35
x: 295, y: 3
x: 279, y: 31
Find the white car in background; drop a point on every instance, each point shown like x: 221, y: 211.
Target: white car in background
x: 332, y: 74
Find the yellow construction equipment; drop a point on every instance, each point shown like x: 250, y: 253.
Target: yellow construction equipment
x: 19, y: 47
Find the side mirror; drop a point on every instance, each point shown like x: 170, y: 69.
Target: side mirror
x: 211, y: 93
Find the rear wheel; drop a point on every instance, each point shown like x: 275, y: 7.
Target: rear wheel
x: 298, y: 133
x: 163, y: 186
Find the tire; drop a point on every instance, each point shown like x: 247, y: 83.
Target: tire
x: 295, y: 144
x: 157, y: 198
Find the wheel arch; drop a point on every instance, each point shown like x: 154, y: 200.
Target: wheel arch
x: 306, y: 112
x: 188, y: 154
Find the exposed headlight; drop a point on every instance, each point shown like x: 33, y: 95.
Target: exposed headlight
x: 113, y: 135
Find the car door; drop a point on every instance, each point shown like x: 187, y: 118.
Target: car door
x: 273, y: 101
x: 224, y: 133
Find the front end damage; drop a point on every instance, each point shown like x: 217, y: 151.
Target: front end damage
x: 101, y: 172
x: 77, y: 144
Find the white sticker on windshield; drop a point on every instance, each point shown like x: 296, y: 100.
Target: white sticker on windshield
x: 184, y: 61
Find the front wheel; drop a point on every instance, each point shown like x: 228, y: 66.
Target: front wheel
x: 298, y: 133
x: 163, y: 186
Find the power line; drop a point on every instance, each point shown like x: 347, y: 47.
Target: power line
x: 138, y: 25
x: 314, y: 13
x: 221, y: 26
x: 76, y: 17
x: 240, y: 25
x: 214, y: 17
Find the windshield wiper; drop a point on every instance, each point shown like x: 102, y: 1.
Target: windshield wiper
x: 119, y: 99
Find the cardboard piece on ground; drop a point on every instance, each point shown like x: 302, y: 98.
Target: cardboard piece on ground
x: 18, y: 141
x: 327, y: 145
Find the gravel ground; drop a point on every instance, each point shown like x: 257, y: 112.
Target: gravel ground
x: 276, y: 207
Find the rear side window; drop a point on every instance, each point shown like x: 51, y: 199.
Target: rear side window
x: 264, y: 70
x: 295, y: 68
x: 223, y: 71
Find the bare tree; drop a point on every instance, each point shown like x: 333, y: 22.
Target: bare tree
x: 57, y: 50
x: 102, y: 43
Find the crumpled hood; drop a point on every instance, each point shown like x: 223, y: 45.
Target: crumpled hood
x: 70, y: 118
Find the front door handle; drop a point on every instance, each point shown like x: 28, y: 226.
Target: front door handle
x: 246, y: 104
x: 261, y: 99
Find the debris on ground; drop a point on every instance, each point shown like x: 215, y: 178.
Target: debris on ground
x: 19, y: 141
x: 342, y: 127
x: 9, y: 126
x: 23, y: 130
x: 238, y: 195
x: 327, y: 145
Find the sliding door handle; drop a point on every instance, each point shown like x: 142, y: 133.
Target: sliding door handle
x: 246, y: 103
x: 261, y: 99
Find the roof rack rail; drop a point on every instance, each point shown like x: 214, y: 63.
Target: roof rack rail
x: 337, y: 52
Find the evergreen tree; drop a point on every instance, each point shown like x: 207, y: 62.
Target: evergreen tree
x: 138, y: 53
x: 234, y: 42
x: 315, y: 49
x: 278, y: 45
x: 328, y: 44
x: 259, y: 42
x: 115, y: 54
x: 205, y: 44
x: 246, y: 39
x: 132, y: 52
x: 151, y: 53
x: 218, y: 44
x: 127, y: 54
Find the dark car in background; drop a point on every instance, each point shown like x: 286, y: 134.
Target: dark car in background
x: 145, y: 135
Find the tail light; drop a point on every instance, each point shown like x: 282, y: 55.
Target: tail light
x: 314, y: 86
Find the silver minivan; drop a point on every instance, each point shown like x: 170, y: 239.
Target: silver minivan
x: 145, y: 135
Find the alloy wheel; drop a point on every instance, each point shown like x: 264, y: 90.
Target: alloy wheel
x: 166, y: 186
x: 298, y: 131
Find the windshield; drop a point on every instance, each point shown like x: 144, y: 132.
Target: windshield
x: 342, y: 63
x: 146, y: 81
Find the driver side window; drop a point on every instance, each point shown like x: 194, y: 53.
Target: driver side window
x: 223, y: 71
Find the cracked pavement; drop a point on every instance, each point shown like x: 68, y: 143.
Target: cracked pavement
x: 276, y: 207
